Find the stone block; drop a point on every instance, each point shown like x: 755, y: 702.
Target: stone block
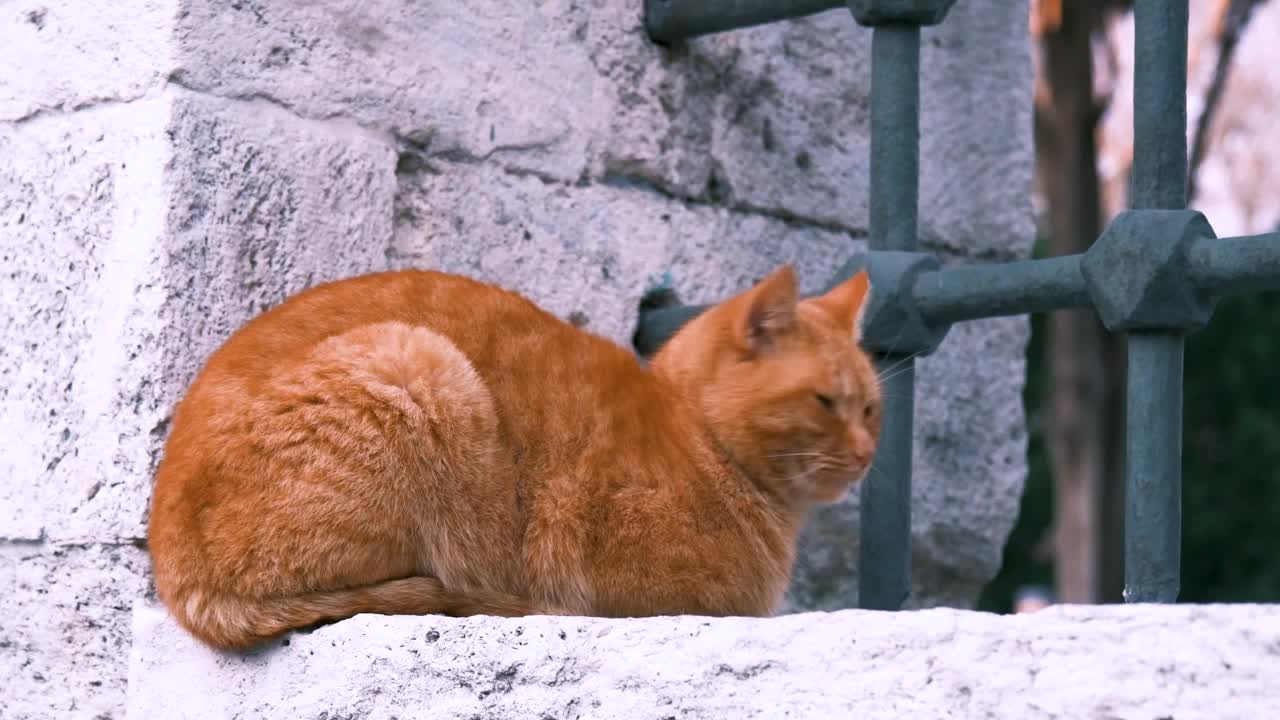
x: 772, y: 119
x: 1212, y: 662
x: 65, y: 628
x: 62, y: 56
x: 483, y: 80
x: 263, y: 204
x: 138, y: 238
x: 589, y: 252
x: 81, y: 206
x: 783, y: 112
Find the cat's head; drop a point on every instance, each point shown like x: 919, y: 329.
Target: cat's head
x: 784, y: 385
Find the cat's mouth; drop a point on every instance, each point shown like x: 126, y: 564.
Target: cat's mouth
x: 835, y: 486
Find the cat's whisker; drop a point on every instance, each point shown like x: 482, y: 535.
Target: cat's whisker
x: 884, y: 379
x: 805, y: 476
x: 897, y: 368
x: 896, y: 364
x: 798, y: 454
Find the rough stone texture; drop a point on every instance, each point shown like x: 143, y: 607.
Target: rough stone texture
x: 65, y: 628
x: 128, y: 263
x: 587, y: 253
x: 65, y: 56
x: 77, y: 232
x: 170, y: 168
x: 773, y: 118
x: 1134, y: 662
x: 490, y: 80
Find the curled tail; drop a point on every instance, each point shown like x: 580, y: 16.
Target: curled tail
x: 229, y: 622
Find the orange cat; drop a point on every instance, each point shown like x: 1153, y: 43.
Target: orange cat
x: 415, y: 442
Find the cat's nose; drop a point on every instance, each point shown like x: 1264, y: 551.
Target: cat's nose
x: 862, y: 446
x: 863, y: 457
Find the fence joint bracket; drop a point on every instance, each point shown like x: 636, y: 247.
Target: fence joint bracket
x: 1139, y: 271
x: 892, y: 323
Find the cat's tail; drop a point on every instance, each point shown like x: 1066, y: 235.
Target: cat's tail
x: 229, y: 622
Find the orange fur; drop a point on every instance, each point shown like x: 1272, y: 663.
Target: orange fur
x: 415, y: 442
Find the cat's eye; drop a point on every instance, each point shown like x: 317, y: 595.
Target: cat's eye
x: 868, y: 412
x: 827, y: 402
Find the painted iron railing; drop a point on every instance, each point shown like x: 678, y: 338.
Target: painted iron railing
x: 1153, y: 274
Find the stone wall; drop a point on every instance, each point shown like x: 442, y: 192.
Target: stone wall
x: 169, y: 168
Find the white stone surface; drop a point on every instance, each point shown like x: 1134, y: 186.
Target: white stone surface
x: 1129, y: 662
x: 137, y: 237
x: 490, y: 79
x: 591, y: 251
x: 773, y: 119
x: 60, y: 55
x: 65, y: 628
x: 79, y: 226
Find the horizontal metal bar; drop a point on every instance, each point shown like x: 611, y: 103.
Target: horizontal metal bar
x: 670, y: 20
x: 980, y: 291
x: 943, y: 297
x: 1220, y: 266
x: 1230, y: 266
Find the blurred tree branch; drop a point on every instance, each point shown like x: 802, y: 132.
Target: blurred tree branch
x: 1231, y: 17
x: 1066, y: 118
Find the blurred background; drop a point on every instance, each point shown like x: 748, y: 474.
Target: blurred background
x: 1068, y: 544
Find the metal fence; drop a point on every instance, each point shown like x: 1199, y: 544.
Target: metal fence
x: 1153, y: 274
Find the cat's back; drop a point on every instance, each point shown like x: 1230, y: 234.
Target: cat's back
x: 473, y: 315
x: 539, y: 370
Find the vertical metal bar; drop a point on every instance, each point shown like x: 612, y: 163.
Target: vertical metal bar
x: 1153, y: 517
x: 1159, y: 177
x: 895, y: 136
x: 884, y: 573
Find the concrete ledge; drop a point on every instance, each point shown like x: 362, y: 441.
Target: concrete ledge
x: 1143, y: 661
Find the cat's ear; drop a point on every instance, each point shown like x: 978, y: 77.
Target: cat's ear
x: 766, y: 311
x: 846, y: 301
